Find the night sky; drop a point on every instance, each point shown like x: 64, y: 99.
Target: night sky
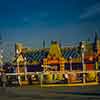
x: 31, y: 21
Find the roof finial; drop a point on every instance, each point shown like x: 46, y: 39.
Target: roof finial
x: 96, y: 36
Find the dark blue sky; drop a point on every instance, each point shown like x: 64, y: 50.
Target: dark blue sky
x: 31, y: 21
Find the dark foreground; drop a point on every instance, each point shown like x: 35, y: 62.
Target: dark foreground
x: 50, y: 93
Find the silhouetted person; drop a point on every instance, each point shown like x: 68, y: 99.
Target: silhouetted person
x: 30, y: 80
x: 65, y: 76
x: 3, y: 80
x: 9, y: 79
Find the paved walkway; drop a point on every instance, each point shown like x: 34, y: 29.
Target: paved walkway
x: 50, y: 93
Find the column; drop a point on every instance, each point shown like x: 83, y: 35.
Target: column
x: 62, y: 65
x: 25, y: 68
x: 70, y: 59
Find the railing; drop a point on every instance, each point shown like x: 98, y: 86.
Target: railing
x: 55, y: 78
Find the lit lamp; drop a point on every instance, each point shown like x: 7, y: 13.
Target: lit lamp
x: 83, y: 47
x: 84, y: 68
x: 17, y: 52
x: 70, y: 58
x: 1, y: 50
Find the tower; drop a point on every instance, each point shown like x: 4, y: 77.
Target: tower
x: 96, y: 43
x: 18, y: 48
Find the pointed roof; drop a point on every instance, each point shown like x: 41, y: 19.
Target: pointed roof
x: 55, y: 50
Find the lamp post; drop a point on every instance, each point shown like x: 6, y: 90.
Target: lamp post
x: 70, y: 58
x: 25, y: 68
x: 18, y: 70
x: 84, y: 68
x: 3, y: 74
x: 1, y: 59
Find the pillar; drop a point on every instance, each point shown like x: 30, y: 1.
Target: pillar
x: 62, y: 64
x: 96, y: 71
x: 45, y: 64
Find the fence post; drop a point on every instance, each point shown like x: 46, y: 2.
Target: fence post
x: 41, y: 79
x: 96, y: 72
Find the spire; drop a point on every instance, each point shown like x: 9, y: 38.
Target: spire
x: 95, y: 41
x: 55, y: 50
x: 88, y: 39
x: 96, y: 36
x: 43, y: 43
x: 60, y: 45
x: 0, y: 38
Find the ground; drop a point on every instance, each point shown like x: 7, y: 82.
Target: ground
x: 50, y: 93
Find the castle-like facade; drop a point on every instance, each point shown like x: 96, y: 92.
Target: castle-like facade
x: 59, y: 56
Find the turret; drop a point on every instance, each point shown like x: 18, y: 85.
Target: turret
x: 96, y: 43
x: 55, y: 50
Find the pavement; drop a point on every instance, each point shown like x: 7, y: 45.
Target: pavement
x: 50, y: 93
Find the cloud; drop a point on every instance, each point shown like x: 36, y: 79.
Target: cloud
x: 91, y: 11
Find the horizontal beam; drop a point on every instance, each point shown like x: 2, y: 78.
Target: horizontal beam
x: 53, y: 72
